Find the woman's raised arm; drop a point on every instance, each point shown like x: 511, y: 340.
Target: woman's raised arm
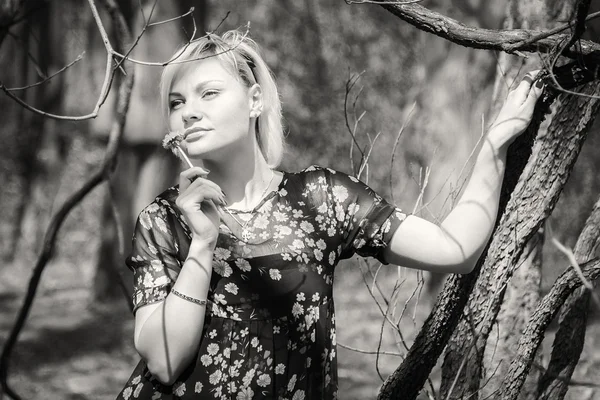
x: 455, y: 245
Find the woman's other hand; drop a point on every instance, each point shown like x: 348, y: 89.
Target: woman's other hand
x: 516, y: 113
x: 197, y: 202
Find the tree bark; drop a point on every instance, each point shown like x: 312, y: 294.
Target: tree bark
x: 570, y: 337
x: 534, y: 334
x: 522, y: 219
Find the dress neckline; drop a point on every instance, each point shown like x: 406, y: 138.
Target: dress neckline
x: 267, y: 197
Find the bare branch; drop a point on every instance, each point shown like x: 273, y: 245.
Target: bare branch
x: 79, y: 58
x: 507, y: 40
x: 533, y: 335
x: 108, y: 165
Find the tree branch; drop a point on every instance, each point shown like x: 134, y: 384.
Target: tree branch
x: 410, y: 376
x: 507, y: 40
x: 534, y: 333
x: 108, y: 165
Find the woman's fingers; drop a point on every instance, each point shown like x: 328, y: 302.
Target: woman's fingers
x: 189, y: 175
x: 521, y: 92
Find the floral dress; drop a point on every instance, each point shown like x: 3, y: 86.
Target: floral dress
x: 269, y: 329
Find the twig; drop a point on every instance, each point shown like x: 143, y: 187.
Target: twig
x: 79, y: 58
x: 572, y: 262
x: 385, y: 353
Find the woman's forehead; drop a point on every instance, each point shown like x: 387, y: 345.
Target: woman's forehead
x: 202, y: 70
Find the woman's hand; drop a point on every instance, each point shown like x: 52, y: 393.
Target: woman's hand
x: 516, y: 113
x: 196, y: 201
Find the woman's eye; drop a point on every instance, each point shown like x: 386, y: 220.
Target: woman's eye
x: 210, y: 93
x: 174, y: 104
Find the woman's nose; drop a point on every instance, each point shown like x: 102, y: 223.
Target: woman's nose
x: 191, y: 114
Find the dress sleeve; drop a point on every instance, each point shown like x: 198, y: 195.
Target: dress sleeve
x: 366, y: 221
x: 154, y: 256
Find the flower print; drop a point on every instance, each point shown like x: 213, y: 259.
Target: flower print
x: 206, y: 360
x: 276, y: 329
x: 213, y: 334
x: 222, y: 268
x: 231, y: 288
x: 283, y: 192
x: 319, y: 270
x: 138, y: 390
x: 264, y: 380
x: 280, y: 216
x: 162, y: 280
x: 280, y: 369
x: 243, y: 264
x: 136, y: 380
x: 221, y: 253
x: 332, y: 336
x: 310, y: 242
x: 212, y: 349
x: 286, y: 256
x: 332, y: 257
x: 275, y: 274
x: 248, y: 377
x: 339, y: 213
x: 297, y: 213
x: 291, y: 383
x: 254, y: 342
x: 215, y: 377
x: 315, y: 297
x: 148, y: 279
x: 284, y: 230
x: 319, y: 219
x: 297, y: 309
x: 227, y: 352
x: 127, y: 393
x: 322, y: 208
x: 340, y: 193
x: 157, y: 265
x: 353, y: 208
x: 231, y: 387
x: 298, y: 244
x: 299, y: 395
x: 307, y: 226
x: 261, y: 222
x: 321, y: 245
x: 331, y: 231
x: 179, y: 390
x: 220, y: 298
x: 318, y: 254
x: 244, y: 332
x: 300, y: 296
x: 245, y: 394
x: 160, y: 224
x: 152, y: 249
x: 198, y: 387
x: 145, y: 220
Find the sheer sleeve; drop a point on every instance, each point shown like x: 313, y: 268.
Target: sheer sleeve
x: 366, y: 221
x: 154, y: 256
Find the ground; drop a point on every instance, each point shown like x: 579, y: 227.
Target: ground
x: 73, y: 350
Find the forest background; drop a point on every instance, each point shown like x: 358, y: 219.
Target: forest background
x: 419, y: 101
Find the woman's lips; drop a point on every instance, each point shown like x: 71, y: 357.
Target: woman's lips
x: 195, y: 134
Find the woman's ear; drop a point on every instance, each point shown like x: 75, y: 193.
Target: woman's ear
x: 255, y: 97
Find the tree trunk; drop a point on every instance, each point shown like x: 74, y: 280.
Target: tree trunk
x: 489, y: 293
x: 144, y: 169
x: 569, y: 339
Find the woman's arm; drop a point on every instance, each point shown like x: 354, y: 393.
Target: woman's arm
x: 456, y: 244
x: 167, y: 334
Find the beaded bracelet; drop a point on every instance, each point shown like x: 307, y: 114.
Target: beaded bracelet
x: 188, y: 298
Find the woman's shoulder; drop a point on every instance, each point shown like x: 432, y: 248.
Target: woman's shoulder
x: 327, y: 175
x: 162, y: 204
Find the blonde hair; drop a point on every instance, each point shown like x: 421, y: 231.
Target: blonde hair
x: 241, y: 56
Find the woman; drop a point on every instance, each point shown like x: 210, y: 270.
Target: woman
x: 233, y: 269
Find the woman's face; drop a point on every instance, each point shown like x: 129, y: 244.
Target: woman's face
x: 212, y: 108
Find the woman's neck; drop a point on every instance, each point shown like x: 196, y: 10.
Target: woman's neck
x: 244, y: 178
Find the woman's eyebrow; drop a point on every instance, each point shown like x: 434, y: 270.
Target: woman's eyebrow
x: 199, y: 85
